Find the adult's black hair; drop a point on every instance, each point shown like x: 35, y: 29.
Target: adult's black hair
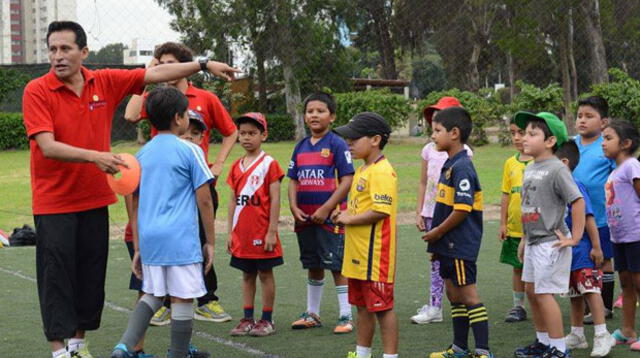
x: 598, y: 103
x: 250, y: 120
x: 181, y: 52
x: 57, y: 26
x: 626, y: 131
x: 570, y: 151
x: 455, y: 117
x: 323, y: 97
x: 162, y: 105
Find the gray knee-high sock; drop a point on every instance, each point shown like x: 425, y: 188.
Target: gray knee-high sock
x: 181, y: 328
x: 139, y: 320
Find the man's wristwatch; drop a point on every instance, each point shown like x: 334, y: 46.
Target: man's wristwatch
x: 203, y: 65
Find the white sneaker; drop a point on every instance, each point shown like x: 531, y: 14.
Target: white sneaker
x: 602, y: 344
x: 575, y: 341
x: 427, y: 314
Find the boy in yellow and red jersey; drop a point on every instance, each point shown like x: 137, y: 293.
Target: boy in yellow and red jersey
x: 370, y: 234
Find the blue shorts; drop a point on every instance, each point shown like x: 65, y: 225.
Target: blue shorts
x: 460, y: 272
x: 134, y: 282
x: 320, y: 248
x: 605, y: 242
x: 625, y: 256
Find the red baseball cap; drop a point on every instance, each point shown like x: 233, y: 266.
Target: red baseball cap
x: 255, y: 117
x: 444, y: 102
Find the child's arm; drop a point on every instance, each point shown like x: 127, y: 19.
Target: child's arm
x: 592, y: 230
x: 223, y: 153
x: 366, y: 218
x: 134, y: 107
x: 323, y: 212
x: 504, y: 210
x: 454, y: 219
x: 577, y: 230
x: 422, y: 188
x: 636, y: 186
x: 298, y: 215
x: 274, y: 216
x: 232, y: 210
x: 205, y: 205
x: 136, y: 265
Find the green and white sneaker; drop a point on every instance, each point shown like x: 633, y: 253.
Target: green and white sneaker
x: 162, y: 317
x: 212, y: 312
x: 83, y: 352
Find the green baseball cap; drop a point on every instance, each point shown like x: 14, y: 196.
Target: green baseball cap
x: 555, y: 124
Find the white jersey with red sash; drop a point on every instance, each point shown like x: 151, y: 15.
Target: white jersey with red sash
x: 251, y: 217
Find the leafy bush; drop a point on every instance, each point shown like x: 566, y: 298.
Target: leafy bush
x: 622, y: 93
x: 281, y: 128
x: 535, y: 99
x: 394, y: 108
x: 12, y: 132
x: 484, y: 107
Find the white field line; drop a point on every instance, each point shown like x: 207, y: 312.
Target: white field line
x: 239, y: 346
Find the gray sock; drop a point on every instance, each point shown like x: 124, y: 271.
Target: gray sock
x: 139, y: 320
x: 181, y: 328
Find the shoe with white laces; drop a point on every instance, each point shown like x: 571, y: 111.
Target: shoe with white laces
x: 427, y: 314
x: 602, y: 344
x: 575, y: 341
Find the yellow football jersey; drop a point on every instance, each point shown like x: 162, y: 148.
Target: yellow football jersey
x: 512, y: 185
x: 370, y: 250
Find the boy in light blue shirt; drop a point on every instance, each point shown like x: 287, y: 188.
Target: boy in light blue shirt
x: 168, y: 257
x: 592, y: 171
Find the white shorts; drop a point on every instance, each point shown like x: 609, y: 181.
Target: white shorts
x: 183, y: 281
x: 547, y: 267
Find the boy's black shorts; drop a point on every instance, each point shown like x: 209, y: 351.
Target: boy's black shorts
x: 255, y: 265
x: 460, y: 272
x: 134, y: 282
x: 320, y: 248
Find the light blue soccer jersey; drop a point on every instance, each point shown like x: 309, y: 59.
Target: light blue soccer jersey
x: 593, y: 171
x: 172, y: 169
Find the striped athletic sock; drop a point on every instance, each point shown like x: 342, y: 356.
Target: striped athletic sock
x: 343, y: 300
x: 460, y: 320
x: 479, y: 322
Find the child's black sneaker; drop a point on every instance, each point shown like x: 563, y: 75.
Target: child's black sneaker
x: 535, y: 349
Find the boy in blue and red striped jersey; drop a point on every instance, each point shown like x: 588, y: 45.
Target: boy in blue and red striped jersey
x: 320, y: 174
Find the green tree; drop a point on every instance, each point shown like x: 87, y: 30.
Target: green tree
x: 11, y: 80
x: 111, y: 54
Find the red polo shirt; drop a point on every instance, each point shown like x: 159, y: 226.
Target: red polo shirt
x: 83, y: 122
x: 208, y: 105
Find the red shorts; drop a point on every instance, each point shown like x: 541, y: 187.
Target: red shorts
x: 375, y: 296
x: 585, y: 280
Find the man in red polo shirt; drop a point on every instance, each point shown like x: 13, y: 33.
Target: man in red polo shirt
x: 68, y: 114
x: 215, y: 116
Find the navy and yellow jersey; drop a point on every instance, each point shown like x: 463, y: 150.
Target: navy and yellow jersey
x: 459, y: 189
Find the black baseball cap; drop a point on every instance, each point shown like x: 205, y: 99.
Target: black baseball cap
x: 364, y: 124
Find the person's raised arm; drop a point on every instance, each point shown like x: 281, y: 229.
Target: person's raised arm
x: 134, y: 108
x: 173, y: 71
x: 52, y: 149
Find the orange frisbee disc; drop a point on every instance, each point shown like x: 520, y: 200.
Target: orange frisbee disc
x: 125, y: 182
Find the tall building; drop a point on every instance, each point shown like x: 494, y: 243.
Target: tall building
x: 140, y: 52
x: 24, y: 23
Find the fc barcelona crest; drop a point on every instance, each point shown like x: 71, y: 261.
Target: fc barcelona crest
x: 361, y: 183
x: 325, y: 153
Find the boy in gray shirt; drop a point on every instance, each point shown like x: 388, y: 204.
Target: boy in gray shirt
x: 547, y: 189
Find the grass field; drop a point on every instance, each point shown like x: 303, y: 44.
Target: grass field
x: 15, y: 185
x: 21, y: 335
x: 20, y: 325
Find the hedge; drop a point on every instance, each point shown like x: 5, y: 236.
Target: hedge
x: 394, y: 108
x: 12, y: 132
x: 280, y: 126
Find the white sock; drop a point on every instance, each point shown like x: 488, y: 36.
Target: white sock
x: 385, y: 355
x: 363, y: 352
x: 543, y: 337
x: 578, y: 331
x: 60, y: 353
x: 559, y: 343
x: 314, y: 295
x: 600, y: 329
x: 75, y: 344
x: 343, y: 300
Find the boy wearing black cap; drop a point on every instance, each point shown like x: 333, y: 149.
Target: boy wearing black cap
x: 370, y: 234
x: 457, y: 232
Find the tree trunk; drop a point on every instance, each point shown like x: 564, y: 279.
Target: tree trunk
x: 566, y: 76
x: 572, y: 60
x: 294, y: 100
x: 591, y: 9
x: 512, y: 75
x: 378, y: 13
x: 262, y: 80
x: 474, y: 74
